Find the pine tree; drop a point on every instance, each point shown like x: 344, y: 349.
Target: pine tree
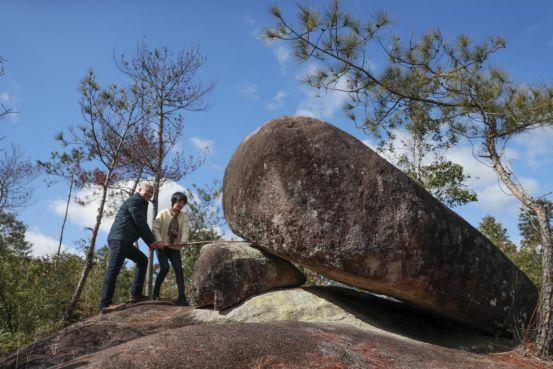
x: 168, y: 87
x: 112, y: 117
x: 66, y: 167
x: 497, y: 234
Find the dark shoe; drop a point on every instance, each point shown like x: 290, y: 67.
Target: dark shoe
x: 181, y: 301
x: 155, y: 297
x: 139, y: 298
x: 104, y: 308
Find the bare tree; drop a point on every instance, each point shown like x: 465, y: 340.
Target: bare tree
x: 168, y: 86
x: 66, y: 167
x: 111, y: 117
x: 124, y: 189
x: 15, y: 174
x: 3, y: 109
x: 452, y: 84
x: 15, y: 170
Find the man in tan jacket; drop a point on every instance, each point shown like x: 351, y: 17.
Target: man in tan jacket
x: 171, y: 227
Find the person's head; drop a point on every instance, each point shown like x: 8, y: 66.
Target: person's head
x: 146, y: 190
x: 178, y: 200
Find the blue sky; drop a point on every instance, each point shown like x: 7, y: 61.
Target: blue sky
x: 50, y: 45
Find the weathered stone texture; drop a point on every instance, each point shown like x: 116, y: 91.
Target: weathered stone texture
x: 310, y: 193
x: 229, y: 272
x: 285, y: 329
x: 284, y: 345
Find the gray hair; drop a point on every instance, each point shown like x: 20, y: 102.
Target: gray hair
x: 144, y: 185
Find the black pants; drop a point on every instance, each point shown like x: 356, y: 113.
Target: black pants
x: 163, y: 255
x: 119, y: 251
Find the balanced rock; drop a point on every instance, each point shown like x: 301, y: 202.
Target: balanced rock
x: 310, y: 193
x: 229, y: 272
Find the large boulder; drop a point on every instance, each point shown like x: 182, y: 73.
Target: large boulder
x: 310, y: 193
x: 229, y: 272
x: 289, y: 328
x: 98, y: 333
x: 285, y: 345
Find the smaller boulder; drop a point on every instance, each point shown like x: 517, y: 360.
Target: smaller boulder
x: 229, y: 272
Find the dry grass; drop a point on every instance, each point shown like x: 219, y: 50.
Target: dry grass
x: 525, y: 353
x: 266, y: 362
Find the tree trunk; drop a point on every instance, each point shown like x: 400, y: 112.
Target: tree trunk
x: 150, y: 273
x: 89, y: 256
x: 544, y: 339
x: 157, y: 184
x: 65, y: 216
x: 133, y: 190
x: 137, y: 180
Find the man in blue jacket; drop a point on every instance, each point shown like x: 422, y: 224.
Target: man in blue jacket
x: 129, y: 225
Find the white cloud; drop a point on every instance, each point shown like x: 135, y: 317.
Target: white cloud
x: 536, y: 147
x: 369, y: 143
x: 496, y: 198
x: 228, y: 235
x: 85, y: 215
x: 323, y: 104
x: 44, y: 245
x: 390, y: 157
x: 167, y: 190
x: 16, y: 87
x: 277, y: 101
x: 4, y: 98
x: 255, y: 27
x: 10, y: 100
x: 177, y: 148
x: 308, y: 69
x: 493, y: 196
x: 249, y: 90
x: 320, y: 103
x: 282, y: 52
x: 481, y: 173
x: 283, y: 55
x: 533, y: 149
x: 203, y: 144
